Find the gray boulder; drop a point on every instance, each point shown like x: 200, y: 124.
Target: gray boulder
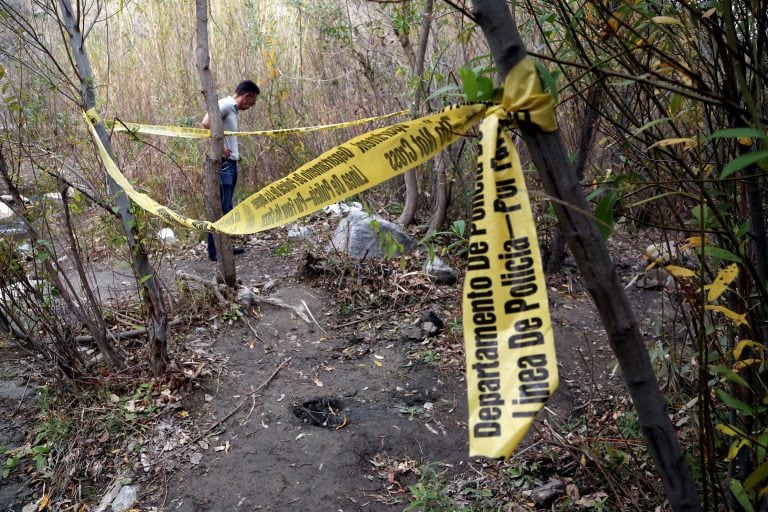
x: 360, y: 235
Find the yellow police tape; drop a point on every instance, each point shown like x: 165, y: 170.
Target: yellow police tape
x: 203, y: 133
x: 510, y: 354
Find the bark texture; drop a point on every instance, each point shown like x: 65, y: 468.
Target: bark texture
x: 146, y: 279
x: 592, y: 257
x: 211, y: 183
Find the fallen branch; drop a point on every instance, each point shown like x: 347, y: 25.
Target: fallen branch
x: 214, y: 286
x: 125, y: 334
x: 282, y: 304
x: 242, y: 402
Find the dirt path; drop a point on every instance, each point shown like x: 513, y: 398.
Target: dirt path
x: 397, y: 411
x: 389, y: 409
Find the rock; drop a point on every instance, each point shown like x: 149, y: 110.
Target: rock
x: 360, y: 235
x: 5, y: 211
x: 439, y: 272
x: 167, y: 236
x: 339, y: 209
x: 109, y: 496
x: 430, y: 324
x: 245, y: 297
x: 545, y: 495
x: 299, y: 233
x: 31, y: 507
x: 125, y: 498
x: 412, y: 332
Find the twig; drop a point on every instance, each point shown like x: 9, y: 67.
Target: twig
x: 242, y: 402
x: 23, y: 396
x: 230, y: 414
x: 256, y: 335
x: 313, y: 317
x: 371, y: 317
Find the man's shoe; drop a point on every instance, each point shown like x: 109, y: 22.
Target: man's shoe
x: 238, y: 250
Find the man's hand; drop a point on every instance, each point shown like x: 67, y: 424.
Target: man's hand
x: 227, y: 153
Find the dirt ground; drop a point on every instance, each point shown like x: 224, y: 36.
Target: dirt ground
x: 242, y: 439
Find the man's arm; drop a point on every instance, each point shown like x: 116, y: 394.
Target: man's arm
x: 206, y: 122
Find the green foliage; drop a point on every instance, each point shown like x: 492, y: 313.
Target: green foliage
x: 477, y: 84
x: 454, y: 241
x: 233, y: 314
x: 429, y: 494
x: 51, y: 433
x: 284, y: 249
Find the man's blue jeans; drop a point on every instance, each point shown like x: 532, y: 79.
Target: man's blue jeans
x: 228, y: 176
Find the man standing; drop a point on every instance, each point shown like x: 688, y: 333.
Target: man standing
x: 245, y: 96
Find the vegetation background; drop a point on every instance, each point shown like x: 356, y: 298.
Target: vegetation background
x: 661, y: 104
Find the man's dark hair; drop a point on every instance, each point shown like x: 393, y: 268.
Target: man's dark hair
x: 247, y: 87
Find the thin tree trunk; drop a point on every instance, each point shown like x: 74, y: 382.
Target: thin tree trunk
x: 594, y: 261
x: 143, y: 271
x: 440, y: 192
x: 411, y: 181
x: 211, y: 182
x: 556, y: 250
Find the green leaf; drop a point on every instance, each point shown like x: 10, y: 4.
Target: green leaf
x: 757, y: 476
x: 548, y: 80
x: 729, y: 375
x: 761, y: 446
x: 716, y: 252
x: 735, y: 403
x: 448, y: 90
x: 741, y: 496
x: 736, y: 133
x: 651, y: 124
x: 743, y: 161
x: 604, y: 213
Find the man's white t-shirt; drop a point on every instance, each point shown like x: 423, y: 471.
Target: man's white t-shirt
x: 229, y: 112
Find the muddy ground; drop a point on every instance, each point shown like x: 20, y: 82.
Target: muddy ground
x: 241, y: 437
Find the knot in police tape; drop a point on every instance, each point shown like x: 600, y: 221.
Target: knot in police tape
x: 510, y: 357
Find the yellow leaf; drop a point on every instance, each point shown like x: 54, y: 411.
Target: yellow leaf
x: 666, y: 20
x: 378, y: 363
x: 688, y: 141
x: 740, y: 365
x: 709, y: 12
x: 728, y: 430
x: 745, y: 141
x: 740, y: 346
x: 43, y: 502
x: 681, y: 272
x: 735, y: 447
x: 737, y: 318
x: 184, y: 414
x: 721, y: 282
x: 694, y: 241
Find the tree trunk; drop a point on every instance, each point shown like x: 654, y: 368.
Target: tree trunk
x: 556, y: 249
x: 411, y: 181
x: 157, y: 327
x: 212, y: 182
x: 591, y: 254
x: 440, y: 192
